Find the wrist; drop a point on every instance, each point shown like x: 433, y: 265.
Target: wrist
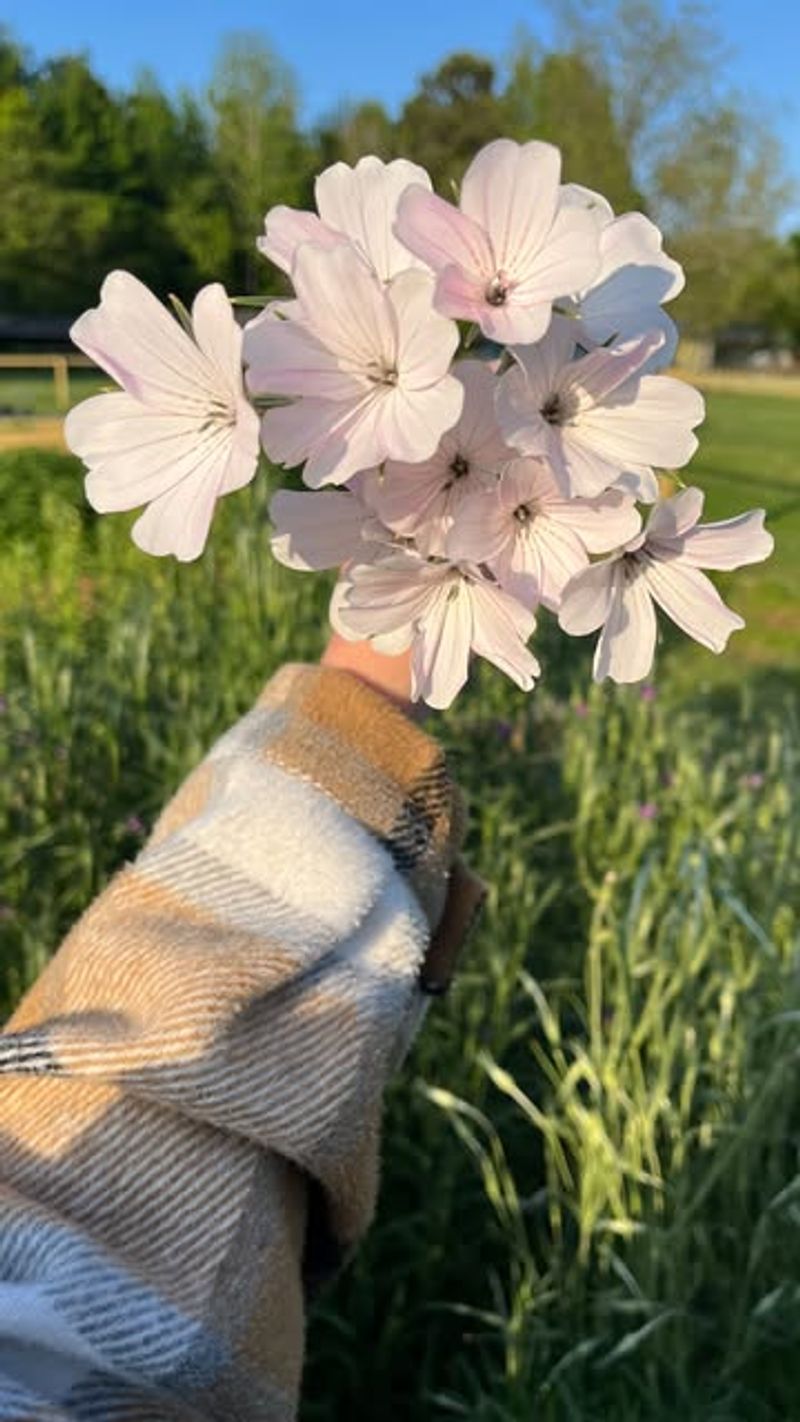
x: 390, y: 675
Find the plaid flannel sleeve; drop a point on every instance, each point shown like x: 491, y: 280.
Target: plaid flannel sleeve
x: 190, y: 1094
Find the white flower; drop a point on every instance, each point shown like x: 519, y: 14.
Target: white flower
x: 511, y: 249
x: 368, y: 364
x: 323, y: 529
x: 357, y: 205
x: 532, y: 538
x: 597, y: 418
x: 182, y: 433
x: 635, y: 278
x: 662, y: 565
x: 421, y: 501
x: 442, y: 613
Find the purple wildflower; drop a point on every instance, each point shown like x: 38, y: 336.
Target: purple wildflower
x: 648, y: 810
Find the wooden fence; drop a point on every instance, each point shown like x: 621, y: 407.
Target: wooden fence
x: 60, y: 366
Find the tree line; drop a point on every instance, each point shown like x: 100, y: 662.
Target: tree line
x: 175, y: 188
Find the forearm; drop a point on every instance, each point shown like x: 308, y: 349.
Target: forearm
x: 215, y: 1034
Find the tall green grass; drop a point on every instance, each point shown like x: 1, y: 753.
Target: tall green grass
x: 591, y: 1197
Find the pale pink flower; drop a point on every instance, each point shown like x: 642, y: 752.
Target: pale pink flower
x: 321, y: 530
x: 442, y: 612
x: 597, y: 418
x: 357, y: 205
x: 662, y: 566
x: 421, y: 501
x: 368, y: 366
x: 634, y: 279
x: 181, y: 433
x: 532, y: 538
x: 512, y: 247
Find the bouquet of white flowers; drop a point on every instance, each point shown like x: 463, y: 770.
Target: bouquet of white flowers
x: 474, y: 395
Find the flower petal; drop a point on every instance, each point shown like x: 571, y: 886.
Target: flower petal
x: 730, y: 544
x: 426, y: 341
x: 390, y: 593
x: 244, y: 448
x: 178, y: 521
x: 290, y: 432
x: 412, y: 422
x: 345, y: 306
x: 672, y: 518
x: 354, y: 442
x: 567, y: 260
x: 501, y: 627
x: 560, y: 556
x: 480, y: 528
x: 286, y: 358
x: 542, y: 364
x: 134, y: 453
x: 627, y: 642
x: 440, y: 659
x: 601, y: 372
x: 648, y: 422
x: 284, y: 230
x: 362, y: 202
x: 587, y: 473
x: 693, y: 603
x: 315, y: 531
x: 442, y: 236
x: 219, y: 336
x: 586, y: 600
x: 601, y: 524
x: 635, y: 277
x: 511, y: 191
x: 135, y: 339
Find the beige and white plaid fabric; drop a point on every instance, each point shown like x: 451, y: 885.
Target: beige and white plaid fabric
x: 190, y: 1095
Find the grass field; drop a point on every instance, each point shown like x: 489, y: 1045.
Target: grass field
x: 591, y: 1199
x: 32, y: 392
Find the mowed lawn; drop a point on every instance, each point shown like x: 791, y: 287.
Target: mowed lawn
x: 749, y: 457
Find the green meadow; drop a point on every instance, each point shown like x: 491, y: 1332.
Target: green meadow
x: 591, y: 1171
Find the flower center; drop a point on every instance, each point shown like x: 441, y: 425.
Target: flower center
x: 219, y: 413
x: 632, y: 566
x: 497, y: 290
x: 383, y: 374
x: 459, y: 469
x: 525, y: 514
x: 558, y: 408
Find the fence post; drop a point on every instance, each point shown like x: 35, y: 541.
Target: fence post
x: 61, y: 379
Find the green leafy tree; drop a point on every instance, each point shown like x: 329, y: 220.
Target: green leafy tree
x: 260, y: 156
x: 93, y: 181
x: 559, y: 99
x: 660, y: 63
x: 722, y: 191
x: 354, y: 131
x: 57, y: 217
x: 454, y: 112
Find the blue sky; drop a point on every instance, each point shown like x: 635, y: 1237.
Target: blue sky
x: 351, y: 49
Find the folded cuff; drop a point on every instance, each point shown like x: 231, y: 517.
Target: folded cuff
x: 357, y: 746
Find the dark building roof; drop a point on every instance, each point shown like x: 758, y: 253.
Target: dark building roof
x: 35, y: 332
